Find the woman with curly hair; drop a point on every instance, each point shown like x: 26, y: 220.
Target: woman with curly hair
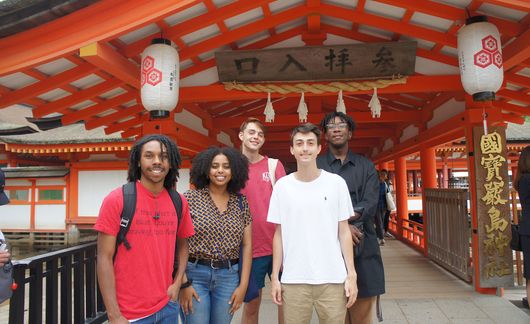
x: 522, y: 185
x: 212, y: 291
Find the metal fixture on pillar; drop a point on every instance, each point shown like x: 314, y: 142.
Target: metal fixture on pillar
x: 480, y: 58
x: 160, y: 78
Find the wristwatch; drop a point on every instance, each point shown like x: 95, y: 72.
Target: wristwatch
x: 186, y: 284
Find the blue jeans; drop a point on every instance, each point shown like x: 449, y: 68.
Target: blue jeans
x: 214, y: 287
x: 167, y: 315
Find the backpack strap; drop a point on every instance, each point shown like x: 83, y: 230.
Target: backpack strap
x: 272, y: 163
x: 177, y: 202
x: 127, y: 214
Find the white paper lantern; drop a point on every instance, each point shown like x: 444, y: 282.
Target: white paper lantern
x: 480, y: 58
x: 160, y: 78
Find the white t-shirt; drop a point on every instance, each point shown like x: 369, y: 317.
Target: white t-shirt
x: 309, y: 213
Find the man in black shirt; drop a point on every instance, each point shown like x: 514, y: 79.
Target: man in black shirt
x: 363, y: 184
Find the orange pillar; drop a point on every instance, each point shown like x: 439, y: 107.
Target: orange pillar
x: 428, y: 180
x: 401, y: 194
x: 445, y: 171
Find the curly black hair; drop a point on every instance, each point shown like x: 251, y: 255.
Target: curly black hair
x: 329, y: 118
x: 135, y: 173
x: 201, y: 164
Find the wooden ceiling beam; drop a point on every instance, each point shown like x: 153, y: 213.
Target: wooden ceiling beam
x: 71, y: 32
x: 53, y: 82
x: 276, y: 38
x: 113, y: 117
x: 522, y: 5
x: 243, y: 31
x: 88, y: 112
x: 522, y: 111
x: 514, y: 95
x: 388, y: 24
x: 62, y: 104
x: 453, y: 13
x: 436, y: 83
x: 197, y: 23
x: 516, y: 51
x: 107, y: 59
x: 439, y: 57
x: 517, y: 79
x: 359, y: 117
x: 124, y: 125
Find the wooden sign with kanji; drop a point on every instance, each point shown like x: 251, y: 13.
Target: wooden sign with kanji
x: 318, y: 63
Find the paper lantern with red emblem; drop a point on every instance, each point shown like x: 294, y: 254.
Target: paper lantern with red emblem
x: 160, y: 78
x: 480, y: 58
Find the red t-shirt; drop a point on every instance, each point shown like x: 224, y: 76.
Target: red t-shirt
x: 143, y: 273
x: 258, y: 190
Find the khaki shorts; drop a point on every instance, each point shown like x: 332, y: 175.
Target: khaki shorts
x: 329, y: 301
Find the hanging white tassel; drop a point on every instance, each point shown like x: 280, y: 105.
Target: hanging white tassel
x: 375, y: 105
x: 302, y: 110
x: 341, y: 107
x: 269, y: 110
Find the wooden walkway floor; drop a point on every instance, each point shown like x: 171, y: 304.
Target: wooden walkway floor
x: 418, y: 291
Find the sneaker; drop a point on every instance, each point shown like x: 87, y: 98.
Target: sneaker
x: 382, y: 242
x: 387, y: 234
x: 525, y: 302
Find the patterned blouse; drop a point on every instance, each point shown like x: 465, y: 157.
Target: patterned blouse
x: 218, y: 235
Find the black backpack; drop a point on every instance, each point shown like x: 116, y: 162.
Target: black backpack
x: 127, y: 214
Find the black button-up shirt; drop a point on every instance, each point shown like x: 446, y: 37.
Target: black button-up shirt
x: 363, y: 183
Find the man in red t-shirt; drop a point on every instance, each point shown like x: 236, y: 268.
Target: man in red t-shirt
x: 138, y: 285
x: 258, y: 190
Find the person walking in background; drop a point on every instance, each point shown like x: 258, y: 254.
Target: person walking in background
x: 312, y: 241
x: 361, y: 177
x: 386, y: 218
x: 263, y: 172
x: 381, y: 208
x: 213, y: 290
x: 522, y: 185
x: 136, y: 278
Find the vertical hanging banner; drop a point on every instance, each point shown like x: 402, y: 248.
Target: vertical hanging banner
x: 493, y: 208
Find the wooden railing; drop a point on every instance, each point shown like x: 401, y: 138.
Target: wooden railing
x: 65, y: 280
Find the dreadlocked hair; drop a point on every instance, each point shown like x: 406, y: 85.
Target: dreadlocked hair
x: 135, y: 173
x: 201, y: 164
x: 330, y: 118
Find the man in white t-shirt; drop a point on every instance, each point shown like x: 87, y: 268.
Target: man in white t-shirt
x: 312, y: 240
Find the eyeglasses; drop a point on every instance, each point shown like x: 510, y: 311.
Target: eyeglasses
x: 337, y: 126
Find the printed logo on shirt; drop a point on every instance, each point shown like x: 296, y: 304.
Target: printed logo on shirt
x: 265, y: 176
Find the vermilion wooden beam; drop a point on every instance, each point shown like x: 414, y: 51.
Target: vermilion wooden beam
x: 53, y: 82
x: 456, y: 14
x: 107, y: 59
x: 437, y: 83
x: 522, y: 5
x: 136, y: 120
x: 522, y: 111
x: 62, y: 104
x: 439, y: 57
x: 88, y: 112
x: 197, y: 23
x: 276, y: 38
x: 244, y: 31
x: 359, y: 117
x: 388, y: 24
x: 116, y: 116
x: 517, y: 51
x: 514, y: 95
x: 73, y: 31
x: 517, y: 79
x: 516, y: 119
x: 358, y: 133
